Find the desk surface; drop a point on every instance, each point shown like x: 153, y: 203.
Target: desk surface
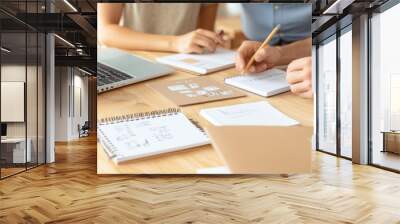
x: 140, y: 98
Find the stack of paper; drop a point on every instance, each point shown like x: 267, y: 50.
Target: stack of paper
x: 268, y: 83
x: 258, y: 113
x: 201, y: 63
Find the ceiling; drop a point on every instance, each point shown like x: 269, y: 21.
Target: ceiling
x: 72, y: 20
x: 75, y: 21
x: 332, y: 15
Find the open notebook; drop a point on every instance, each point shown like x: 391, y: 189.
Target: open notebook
x: 140, y: 135
x: 268, y: 83
x: 259, y: 113
x: 201, y: 63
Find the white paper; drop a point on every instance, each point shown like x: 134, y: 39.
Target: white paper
x: 214, y: 170
x: 257, y: 113
x: 201, y: 63
x: 150, y: 136
x: 178, y: 87
x: 194, y: 85
x: 268, y: 83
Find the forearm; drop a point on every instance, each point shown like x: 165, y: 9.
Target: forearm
x: 207, y: 16
x: 113, y: 35
x: 295, y: 50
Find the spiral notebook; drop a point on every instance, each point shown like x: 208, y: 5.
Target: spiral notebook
x: 146, y: 134
x: 268, y: 83
x: 201, y: 63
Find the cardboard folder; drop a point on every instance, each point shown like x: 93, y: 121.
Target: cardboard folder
x: 191, y: 91
x: 263, y: 149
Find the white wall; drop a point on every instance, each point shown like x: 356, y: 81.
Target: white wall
x: 82, y: 83
x: 33, y: 127
x: 61, y: 103
x: 14, y: 73
x: 71, y: 93
x: 12, y: 101
x: 79, y: 112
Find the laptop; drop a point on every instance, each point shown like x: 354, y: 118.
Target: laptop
x: 116, y: 68
x: 263, y: 149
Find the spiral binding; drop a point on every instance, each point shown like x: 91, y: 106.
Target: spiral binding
x: 138, y: 116
x: 107, y: 145
x: 195, y: 123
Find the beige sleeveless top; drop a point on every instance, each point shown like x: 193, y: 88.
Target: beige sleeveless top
x: 161, y: 18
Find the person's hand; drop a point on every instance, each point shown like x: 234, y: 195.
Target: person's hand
x: 299, y: 77
x: 198, y: 41
x: 265, y: 58
x: 227, y: 44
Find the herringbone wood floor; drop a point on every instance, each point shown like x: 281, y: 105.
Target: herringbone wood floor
x: 69, y: 191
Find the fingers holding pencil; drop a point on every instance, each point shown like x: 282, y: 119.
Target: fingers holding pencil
x: 245, y: 52
x: 255, y: 56
x: 264, y: 59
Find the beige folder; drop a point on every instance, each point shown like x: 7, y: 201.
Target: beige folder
x: 191, y: 91
x: 263, y: 149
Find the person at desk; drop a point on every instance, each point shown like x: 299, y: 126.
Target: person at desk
x: 172, y: 27
x: 290, y: 46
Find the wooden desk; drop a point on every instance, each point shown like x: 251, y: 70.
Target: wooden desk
x: 391, y: 141
x: 140, y: 98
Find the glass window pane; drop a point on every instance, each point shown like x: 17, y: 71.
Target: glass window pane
x: 23, y: 85
x: 14, y: 152
x: 346, y: 94
x: 395, y: 101
x: 32, y: 88
x: 327, y: 96
x: 41, y: 98
x: 31, y: 97
x: 385, y: 89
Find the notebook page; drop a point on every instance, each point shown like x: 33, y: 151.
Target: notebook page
x: 220, y: 58
x: 144, y: 137
x: 258, y: 113
x: 267, y: 83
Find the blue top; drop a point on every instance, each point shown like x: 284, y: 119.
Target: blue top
x: 258, y: 20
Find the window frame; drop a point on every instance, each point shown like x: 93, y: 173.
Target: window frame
x: 378, y: 10
x: 335, y: 36
x: 339, y: 28
x: 27, y: 29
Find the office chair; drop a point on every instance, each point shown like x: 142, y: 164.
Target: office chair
x: 84, y: 130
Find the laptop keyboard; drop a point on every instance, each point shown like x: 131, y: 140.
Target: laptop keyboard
x: 107, y: 75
